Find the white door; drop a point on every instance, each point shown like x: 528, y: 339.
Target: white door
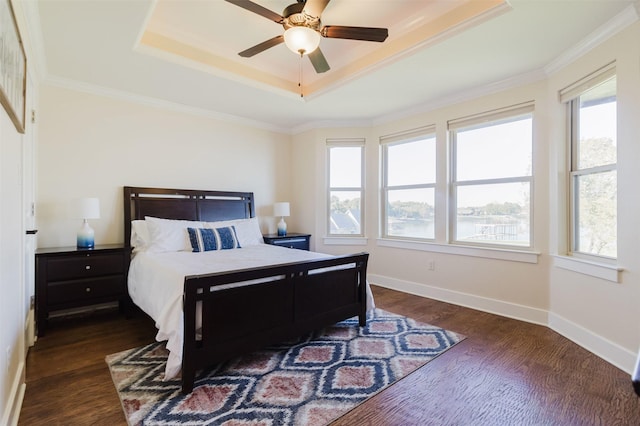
x: 29, y: 212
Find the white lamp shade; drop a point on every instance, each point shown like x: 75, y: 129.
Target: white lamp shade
x: 87, y: 208
x: 301, y: 39
x: 281, y: 209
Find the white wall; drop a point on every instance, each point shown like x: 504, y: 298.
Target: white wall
x: 93, y: 145
x: 607, y: 310
x: 598, y: 314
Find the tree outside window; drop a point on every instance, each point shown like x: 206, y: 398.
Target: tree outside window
x: 593, y: 171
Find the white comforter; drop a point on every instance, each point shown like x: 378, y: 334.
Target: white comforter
x: 156, y: 282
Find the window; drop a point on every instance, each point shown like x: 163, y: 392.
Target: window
x: 491, y: 178
x: 593, y: 175
x: 409, y: 178
x: 346, y: 187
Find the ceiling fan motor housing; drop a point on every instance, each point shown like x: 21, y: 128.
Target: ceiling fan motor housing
x: 295, y: 17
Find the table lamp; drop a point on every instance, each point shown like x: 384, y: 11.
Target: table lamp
x: 282, y: 210
x: 87, y: 208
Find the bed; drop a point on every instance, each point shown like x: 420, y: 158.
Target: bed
x: 213, y: 305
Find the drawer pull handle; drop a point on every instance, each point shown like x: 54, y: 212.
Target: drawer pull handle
x: 293, y: 240
x: 87, y: 267
x: 88, y: 289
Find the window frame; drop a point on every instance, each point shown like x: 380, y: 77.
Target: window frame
x: 414, y: 135
x: 346, y: 143
x: 572, y: 99
x: 477, y: 121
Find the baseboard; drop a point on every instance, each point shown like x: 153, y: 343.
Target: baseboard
x: 485, y: 304
x: 16, y: 396
x: 609, y: 351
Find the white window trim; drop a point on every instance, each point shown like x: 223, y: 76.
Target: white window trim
x: 408, y: 136
x: 577, y: 88
x: 346, y: 142
x: 600, y: 270
x: 478, y: 120
x: 345, y: 241
x: 569, y: 95
x: 525, y: 256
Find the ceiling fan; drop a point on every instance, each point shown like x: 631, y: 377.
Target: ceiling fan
x: 303, y: 30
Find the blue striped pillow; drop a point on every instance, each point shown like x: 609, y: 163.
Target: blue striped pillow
x: 208, y: 239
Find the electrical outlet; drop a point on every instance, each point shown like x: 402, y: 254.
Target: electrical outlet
x: 431, y: 265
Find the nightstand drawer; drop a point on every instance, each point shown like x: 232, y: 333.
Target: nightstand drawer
x: 297, y: 243
x: 85, y: 265
x: 66, y: 292
x: 292, y: 240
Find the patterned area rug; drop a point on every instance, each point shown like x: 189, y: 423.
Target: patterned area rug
x: 312, y: 381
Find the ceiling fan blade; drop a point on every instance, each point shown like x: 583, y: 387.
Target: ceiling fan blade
x: 318, y: 61
x: 261, y: 47
x: 315, y: 7
x: 256, y: 8
x: 355, y: 33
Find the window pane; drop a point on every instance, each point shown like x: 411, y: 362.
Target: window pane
x: 345, y: 212
x: 345, y: 164
x: 596, y: 207
x: 410, y: 213
x: 597, y: 126
x: 481, y: 152
x: 411, y: 163
x: 494, y: 214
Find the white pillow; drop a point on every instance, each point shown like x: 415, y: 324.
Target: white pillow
x: 139, y: 235
x: 247, y: 230
x: 169, y: 235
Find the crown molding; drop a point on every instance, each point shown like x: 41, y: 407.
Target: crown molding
x: 615, y: 25
x: 465, y: 95
x: 619, y: 22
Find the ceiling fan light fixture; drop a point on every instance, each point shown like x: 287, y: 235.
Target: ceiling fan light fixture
x: 301, y: 39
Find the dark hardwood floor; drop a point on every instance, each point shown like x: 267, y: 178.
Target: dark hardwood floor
x: 506, y: 372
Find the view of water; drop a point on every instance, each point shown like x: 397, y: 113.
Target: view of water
x: 478, y: 229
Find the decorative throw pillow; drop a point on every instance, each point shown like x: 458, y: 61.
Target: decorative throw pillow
x: 169, y: 234
x: 208, y: 239
x: 247, y: 230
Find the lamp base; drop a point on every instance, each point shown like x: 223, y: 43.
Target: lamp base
x: 85, y: 236
x: 282, y: 227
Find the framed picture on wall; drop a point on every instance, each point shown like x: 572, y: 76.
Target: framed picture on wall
x: 13, y: 67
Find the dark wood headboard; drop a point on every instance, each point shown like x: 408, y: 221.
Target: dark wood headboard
x: 186, y: 204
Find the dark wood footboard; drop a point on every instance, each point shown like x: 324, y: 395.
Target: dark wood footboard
x: 289, y: 301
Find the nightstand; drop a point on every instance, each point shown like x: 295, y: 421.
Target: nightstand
x: 69, y: 277
x: 291, y: 240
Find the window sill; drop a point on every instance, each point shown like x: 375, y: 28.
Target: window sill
x: 485, y: 252
x: 345, y: 241
x: 594, y: 269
